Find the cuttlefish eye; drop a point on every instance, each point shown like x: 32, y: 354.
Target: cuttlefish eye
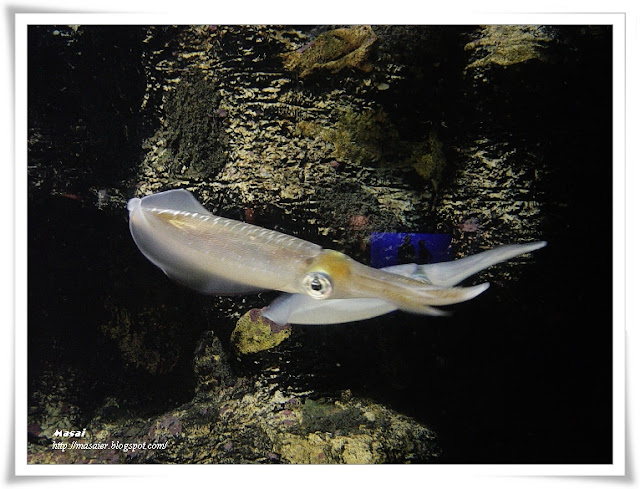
x: 317, y: 285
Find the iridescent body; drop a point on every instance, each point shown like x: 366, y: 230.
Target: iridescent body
x: 215, y: 255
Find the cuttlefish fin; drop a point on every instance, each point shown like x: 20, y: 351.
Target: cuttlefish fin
x: 177, y: 199
x: 448, y: 274
x: 169, y: 251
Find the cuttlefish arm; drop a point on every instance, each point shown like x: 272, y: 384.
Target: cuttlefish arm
x: 450, y: 273
x: 300, y: 309
x: 215, y: 255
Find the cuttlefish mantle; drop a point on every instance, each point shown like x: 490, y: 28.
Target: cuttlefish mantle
x: 220, y: 256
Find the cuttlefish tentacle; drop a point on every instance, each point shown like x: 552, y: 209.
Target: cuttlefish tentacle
x: 215, y: 255
x: 350, y: 279
x: 300, y: 309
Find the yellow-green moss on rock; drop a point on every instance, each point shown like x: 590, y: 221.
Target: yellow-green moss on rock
x: 506, y: 45
x: 428, y: 159
x: 147, y: 338
x: 368, y: 137
x: 333, y: 51
x: 253, y: 334
x: 320, y: 448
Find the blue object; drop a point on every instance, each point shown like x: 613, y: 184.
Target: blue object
x: 388, y: 249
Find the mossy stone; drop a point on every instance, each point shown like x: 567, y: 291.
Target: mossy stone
x: 254, y: 334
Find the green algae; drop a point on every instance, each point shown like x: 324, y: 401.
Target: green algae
x: 147, y: 338
x: 332, y: 52
x: 370, y: 138
x: 506, y: 45
x: 254, y: 334
x: 330, y: 417
x: 193, y: 134
x: 428, y: 159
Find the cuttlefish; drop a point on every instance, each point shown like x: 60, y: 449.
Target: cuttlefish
x: 220, y: 256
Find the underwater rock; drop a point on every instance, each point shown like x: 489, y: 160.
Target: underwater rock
x: 262, y: 418
x: 429, y: 160
x: 349, y: 432
x: 257, y: 422
x: 211, y: 364
x: 193, y: 133
x: 279, y: 162
x: 505, y: 45
x: 333, y: 51
x: 364, y: 138
x: 370, y: 138
x: 492, y: 193
x: 147, y: 338
x: 253, y: 333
